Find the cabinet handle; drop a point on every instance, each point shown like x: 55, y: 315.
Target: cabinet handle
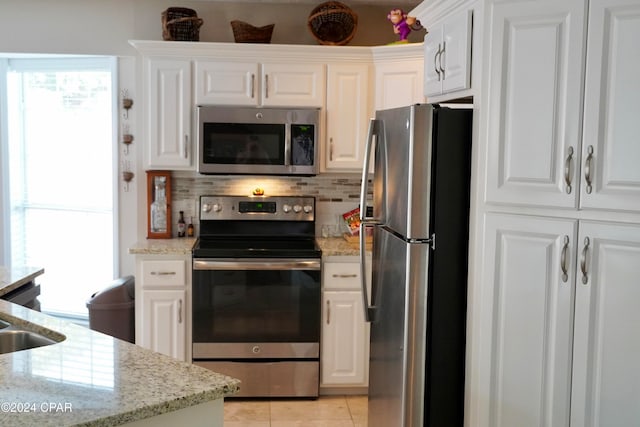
x: 444, y: 43
x: 186, y: 146
x: 435, y: 62
x: 344, y: 276
x: 163, y: 273
x: 564, y: 259
x: 587, y: 169
x: 331, y: 149
x: 253, y: 85
x: 567, y: 169
x: 328, y: 312
x: 180, y: 311
x: 266, y: 85
x: 583, y: 261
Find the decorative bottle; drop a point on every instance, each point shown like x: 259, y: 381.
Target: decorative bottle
x: 159, y: 208
x: 182, y: 226
x: 190, y: 230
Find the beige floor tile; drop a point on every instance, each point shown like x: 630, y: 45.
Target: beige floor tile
x: 323, y: 409
x: 246, y: 410
x: 247, y: 423
x: 311, y: 423
x: 358, y: 407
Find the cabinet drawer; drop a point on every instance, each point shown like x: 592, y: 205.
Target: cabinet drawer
x: 164, y: 273
x: 339, y: 275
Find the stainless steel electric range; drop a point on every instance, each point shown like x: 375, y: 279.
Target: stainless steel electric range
x: 257, y: 295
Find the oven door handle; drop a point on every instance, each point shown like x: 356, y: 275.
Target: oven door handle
x: 256, y: 264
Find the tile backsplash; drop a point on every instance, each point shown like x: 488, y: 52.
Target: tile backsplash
x: 334, y: 193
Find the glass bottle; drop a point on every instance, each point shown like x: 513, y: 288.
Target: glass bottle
x: 182, y: 226
x: 190, y: 230
x: 159, y: 207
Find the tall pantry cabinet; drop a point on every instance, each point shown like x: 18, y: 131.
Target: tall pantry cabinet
x: 554, y: 337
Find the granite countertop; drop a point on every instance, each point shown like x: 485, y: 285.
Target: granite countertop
x: 177, y: 246
x: 13, y: 278
x: 92, y: 379
x: 331, y: 246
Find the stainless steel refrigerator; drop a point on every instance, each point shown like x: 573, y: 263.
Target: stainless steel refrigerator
x: 417, y: 303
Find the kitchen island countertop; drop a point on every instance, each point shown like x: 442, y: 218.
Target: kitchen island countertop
x: 92, y: 379
x: 13, y: 278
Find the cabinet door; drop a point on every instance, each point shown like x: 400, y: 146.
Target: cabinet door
x: 169, y: 113
x: 534, y: 77
x: 293, y: 85
x: 456, y: 56
x: 606, y: 378
x: 399, y: 83
x: 344, y: 359
x: 347, y: 114
x: 610, y: 147
x: 525, y: 375
x: 226, y: 83
x: 432, y: 50
x: 164, y: 322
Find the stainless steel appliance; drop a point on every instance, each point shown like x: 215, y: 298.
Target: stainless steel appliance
x: 417, y: 307
x: 256, y: 294
x: 265, y: 141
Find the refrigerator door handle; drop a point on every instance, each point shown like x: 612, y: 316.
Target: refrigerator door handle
x: 374, y: 127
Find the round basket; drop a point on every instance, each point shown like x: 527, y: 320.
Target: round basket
x: 181, y: 24
x: 333, y: 23
x: 247, y: 33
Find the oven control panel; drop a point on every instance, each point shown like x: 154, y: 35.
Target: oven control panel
x: 268, y: 208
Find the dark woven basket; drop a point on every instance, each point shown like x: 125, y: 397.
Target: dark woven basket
x: 181, y: 24
x: 333, y: 23
x: 247, y: 33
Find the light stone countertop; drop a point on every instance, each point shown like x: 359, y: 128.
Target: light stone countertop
x: 92, y: 379
x: 331, y: 246
x: 13, y: 278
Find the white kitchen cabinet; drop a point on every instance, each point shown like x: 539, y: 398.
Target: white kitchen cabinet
x: 542, y: 150
x: 347, y: 116
x: 610, y: 146
x: 168, y: 108
x: 398, y: 76
x: 344, y: 359
x: 223, y: 82
x: 560, y: 350
x: 163, y: 292
x: 447, y: 59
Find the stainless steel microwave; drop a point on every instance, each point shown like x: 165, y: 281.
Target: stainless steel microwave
x: 258, y: 141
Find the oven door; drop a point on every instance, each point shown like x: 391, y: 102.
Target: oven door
x: 256, y: 308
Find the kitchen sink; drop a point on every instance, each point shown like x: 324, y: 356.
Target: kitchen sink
x: 15, y: 340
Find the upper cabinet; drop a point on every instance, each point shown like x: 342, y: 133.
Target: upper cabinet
x: 549, y: 142
x: 610, y: 175
x: 398, y: 75
x: 167, y: 113
x: 447, y: 58
x: 223, y: 82
x: 347, y: 113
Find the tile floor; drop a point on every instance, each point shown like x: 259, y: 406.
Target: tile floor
x: 326, y: 411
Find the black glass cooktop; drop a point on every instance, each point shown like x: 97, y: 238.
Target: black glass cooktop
x: 262, y: 247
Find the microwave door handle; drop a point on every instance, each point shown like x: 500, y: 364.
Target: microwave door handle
x: 287, y: 145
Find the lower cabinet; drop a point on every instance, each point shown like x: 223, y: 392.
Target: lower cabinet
x: 344, y: 359
x: 162, y: 304
x: 561, y: 323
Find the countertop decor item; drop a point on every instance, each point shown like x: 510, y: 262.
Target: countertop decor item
x: 181, y: 24
x: 333, y: 23
x: 247, y: 33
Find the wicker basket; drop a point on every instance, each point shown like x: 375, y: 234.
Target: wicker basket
x: 181, y: 24
x: 247, y: 33
x: 333, y: 23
